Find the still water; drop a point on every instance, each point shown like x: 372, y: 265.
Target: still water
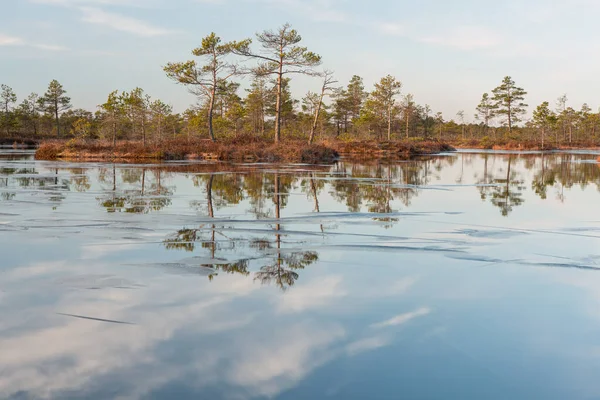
x: 461, y: 276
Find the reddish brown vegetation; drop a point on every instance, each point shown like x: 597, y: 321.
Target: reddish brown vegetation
x: 238, y: 149
x: 388, y: 149
x: 18, y: 142
x: 512, y: 144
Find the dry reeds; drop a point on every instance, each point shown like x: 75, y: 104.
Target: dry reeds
x: 245, y: 148
x: 387, y: 149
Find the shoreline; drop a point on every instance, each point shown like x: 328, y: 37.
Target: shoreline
x: 257, y: 150
x: 249, y: 150
x: 522, y: 145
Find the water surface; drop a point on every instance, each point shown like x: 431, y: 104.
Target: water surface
x: 468, y: 275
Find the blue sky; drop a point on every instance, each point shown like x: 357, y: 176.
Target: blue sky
x: 447, y: 53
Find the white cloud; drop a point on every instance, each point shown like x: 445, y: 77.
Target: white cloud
x: 318, y: 294
x: 10, y: 40
x: 391, y: 29
x: 49, y: 47
x: 119, y: 22
x: 271, y: 365
x: 6, y: 40
x: 466, y: 38
x: 402, y: 318
x: 124, y: 3
x: 367, y: 344
x: 316, y: 10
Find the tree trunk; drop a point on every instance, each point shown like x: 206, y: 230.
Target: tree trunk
x: 211, y: 106
x: 313, y: 188
x: 509, y: 119
x: 407, y: 123
x: 316, y: 120
x: 278, y: 217
x: 278, y: 105
x: 213, y: 244
x: 7, y: 120
x: 262, y: 120
x: 209, y: 186
x: 570, y: 133
x: 389, y: 127
x: 56, y: 119
x: 508, y: 177
x: 114, y: 135
x: 159, y: 129
x: 143, y: 181
x: 542, y: 138
x: 144, y: 128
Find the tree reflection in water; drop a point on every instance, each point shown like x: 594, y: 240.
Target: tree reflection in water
x: 282, y: 269
x: 502, y: 181
x: 509, y: 193
x: 282, y: 265
x: 152, y: 195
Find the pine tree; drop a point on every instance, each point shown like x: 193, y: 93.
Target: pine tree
x: 543, y: 117
x: 408, y: 109
x: 355, y: 97
x: 508, y: 100
x: 384, y: 95
x: 55, y: 101
x: 485, y: 111
x: 281, y: 56
x: 205, y: 80
x: 7, y: 100
x: 113, y: 111
x: 256, y: 102
x: 29, y: 111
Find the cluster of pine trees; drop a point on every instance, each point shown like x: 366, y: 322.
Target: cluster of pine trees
x: 267, y: 108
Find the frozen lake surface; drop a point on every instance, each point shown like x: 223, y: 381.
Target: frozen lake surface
x: 464, y: 276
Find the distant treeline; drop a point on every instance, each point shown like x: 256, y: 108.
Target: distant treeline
x: 267, y: 107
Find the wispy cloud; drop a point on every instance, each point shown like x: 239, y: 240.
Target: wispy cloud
x: 466, y: 38
x: 402, y: 318
x: 122, y: 23
x: 316, y: 10
x: 392, y: 29
x: 6, y: 40
x: 314, y: 295
x: 10, y: 40
x: 367, y: 344
x: 49, y: 47
x: 76, y: 3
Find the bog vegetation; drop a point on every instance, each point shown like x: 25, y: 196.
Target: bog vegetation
x: 243, y: 89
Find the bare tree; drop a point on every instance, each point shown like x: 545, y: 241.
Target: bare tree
x: 328, y: 82
x: 461, y: 118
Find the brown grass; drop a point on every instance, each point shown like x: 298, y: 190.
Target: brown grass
x: 362, y: 149
x: 514, y: 144
x: 242, y: 148
x: 238, y: 149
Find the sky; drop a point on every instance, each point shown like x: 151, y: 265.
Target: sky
x: 446, y: 53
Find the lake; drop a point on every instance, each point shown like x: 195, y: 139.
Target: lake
x: 471, y: 275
